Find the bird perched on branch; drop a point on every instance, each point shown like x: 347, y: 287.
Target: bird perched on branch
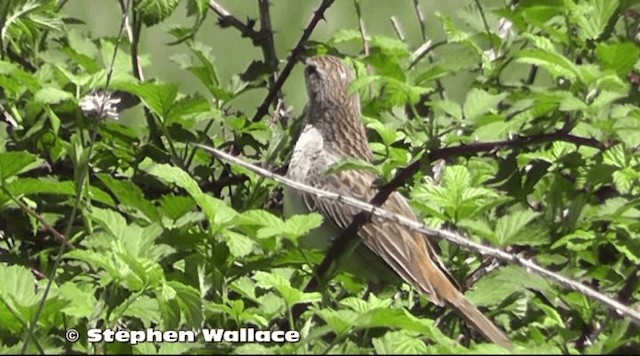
x: 333, y: 131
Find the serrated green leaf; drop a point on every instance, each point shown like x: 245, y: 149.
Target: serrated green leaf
x: 401, y: 319
x: 496, y: 287
x: 345, y: 35
x: 299, y: 225
x: 81, y: 303
x: 593, y: 16
x: 283, y: 286
x: 111, y: 221
x: 399, y: 342
x: 579, y: 240
x: 52, y: 95
x: 449, y: 107
x: 260, y: 218
x: 239, y: 245
x: 621, y: 57
x: 144, y: 308
x: 48, y: 185
x: 18, y: 286
x: 479, y: 102
x: 189, y: 301
x: 218, y: 212
x: 159, y: 98
x: 154, y: 11
x: 16, y: 162
x: 556, y: 64
x: 508, y: 228
x: 130, y: 196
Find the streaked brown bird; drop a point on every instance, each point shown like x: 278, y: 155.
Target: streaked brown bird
x: 333, y: 131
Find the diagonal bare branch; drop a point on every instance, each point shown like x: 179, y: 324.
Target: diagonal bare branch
x: 291, y: 61
x: 452, y: 237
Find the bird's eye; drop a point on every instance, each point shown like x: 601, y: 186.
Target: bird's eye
x: 310, y: 69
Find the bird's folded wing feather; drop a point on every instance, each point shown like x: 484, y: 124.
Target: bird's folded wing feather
x: 407, y: 252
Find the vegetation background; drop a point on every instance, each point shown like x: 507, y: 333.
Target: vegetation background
x: 512, y: 123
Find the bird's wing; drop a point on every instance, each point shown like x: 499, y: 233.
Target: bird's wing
x: 407, y: 252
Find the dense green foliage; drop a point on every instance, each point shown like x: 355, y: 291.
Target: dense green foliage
x: 545, y: 164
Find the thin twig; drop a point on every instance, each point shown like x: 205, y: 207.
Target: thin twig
x: 422, y: 51
x: 58, y: 236
x: 406, y: 173
x: 486, y: 26
x: 420, y: 16
x: 227, y: 19
x: 267, y: 45
x: 291, y: 61
x: 444, y: 234
x: 363, y: 30
x: 79, y: 189
x: 397, y: 28
x: 134, y: 39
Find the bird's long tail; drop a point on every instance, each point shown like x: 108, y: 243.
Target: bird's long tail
x: 481, y: 323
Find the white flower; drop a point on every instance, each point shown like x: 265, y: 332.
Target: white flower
x: 101, y: 105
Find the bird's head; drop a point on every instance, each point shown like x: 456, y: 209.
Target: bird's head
x: 328, y: 80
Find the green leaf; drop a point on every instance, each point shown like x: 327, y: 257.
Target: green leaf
x: 621, y: 57
x: 432, y: 73
x: 52, y: 95
x: 206, y: 72
x: 16, y: 162
x: 283, y: 286
x: 111, y: 221
x: 54, y: 119
x: 363, y: 306
x: 510, y: 228
x: 145, y: 309
x: 496, y: 287
x: 218, y: 212
x: 239, y: 245
x: 81, y: 303
x: 449, y: 107
x: 389, y: 46
x: 388, y: 134
x: 130, y: 196
x: 340, y: 321
x: 28, y: 18
x: 260, y: 218
x: 593, y: 16
x: 299, y: 225
x: 579, y: 240
x: 188, y: 301
x: 49, y: 185
x: 159, y: 98
x: 172, y: 175
x: 399, y: 343
x: 479, y: 102
x: 154, y: 11
x: 454, y: 34
x: 556, y: 64
x: 345, y: 35
x: 175, y: 207
x: 401, y: 319
x: 18, y: 286
x: 191, y: 107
